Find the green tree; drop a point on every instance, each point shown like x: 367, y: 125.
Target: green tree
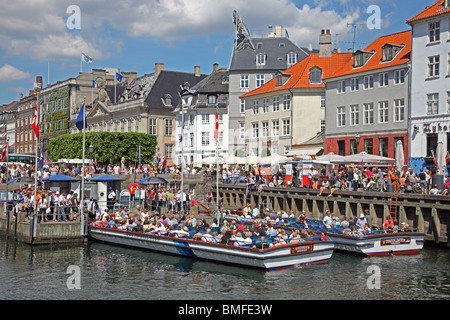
x: 109, y: 147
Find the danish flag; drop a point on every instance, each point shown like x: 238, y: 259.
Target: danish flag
x: 4, y: 152
x: 216, y: 132
x: 35, y: 123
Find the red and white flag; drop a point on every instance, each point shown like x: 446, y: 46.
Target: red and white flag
x: 216, y: 132
x: 35, y: 123
x: 4, y: 152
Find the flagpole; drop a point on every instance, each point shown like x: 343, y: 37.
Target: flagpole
x: 115, y: 99
x: 36, y: 161
x: 7, y: 174
x: 83, y: 169
x: 219, y: 216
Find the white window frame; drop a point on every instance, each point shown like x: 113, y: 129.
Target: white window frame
x: 264, y: 129
x: 341, y: 86
x: 242, y: 130
x: 432, y: 103
x: 205, y: 118
x: 265, y: 106
x: 260, y: 80
x: 291, y: 58
x: 434, y: 32
x: 244, y: 81
x: 275, y: 128
x: 261, y: 59
x: 286, y: 127
x: 255, y: 108
x: 354, y: 115
x: 383, y: 79
x: 152, y: 126
x: 242, y: 105
x: 368, y: 113
x: 255, y: 130
x: 383, y: 112
x: 340, y: 117
x: 399, y: 110
x: 368, y: 82
x: 354, y: 84
x: 205, y: 138
x: 433, y: 66
x: 399, y: 77
x: 323, y: 100
x: 287, y: 102
x: 276, y: 104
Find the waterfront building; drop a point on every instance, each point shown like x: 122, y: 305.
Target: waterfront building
x: 255, y: 60
x: 430, y: 85
x: 290, y: 109
x: 210, y: 95
x: 367, y: 99
x: 25, y: 141
x: 144, y: 105
x: 8, y: 125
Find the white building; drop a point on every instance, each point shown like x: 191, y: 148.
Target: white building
x: 430, y: 84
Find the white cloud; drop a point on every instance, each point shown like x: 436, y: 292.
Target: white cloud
x: 9, y: 73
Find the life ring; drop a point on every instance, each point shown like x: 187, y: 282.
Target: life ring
x: 132, y: 188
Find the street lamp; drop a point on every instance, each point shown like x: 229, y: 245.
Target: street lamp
x: 187, y: 95
x: 357, y: 137
x: 91, y: 151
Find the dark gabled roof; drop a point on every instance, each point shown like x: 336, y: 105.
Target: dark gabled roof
x: 216, y: 82
x: 169, y: 82
x: 116, y: 91
x: 276, y: 55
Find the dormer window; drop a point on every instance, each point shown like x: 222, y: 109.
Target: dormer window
x: 390, y: 51
x: 261, y: 59
x: 387, y: 54
x: 167, y: 99
x: 281, y: 79
x: 359, y: 60
x: 212, y: 99
x: 291, y: 58
x: 315, y: 75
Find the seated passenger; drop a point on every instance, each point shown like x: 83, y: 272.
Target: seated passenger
x: 207, y: 237
x: 182, y: 232
x: 238, y: 240
x: 198, y: 235
x: 262, y: 244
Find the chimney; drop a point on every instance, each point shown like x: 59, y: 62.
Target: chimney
x: 325, y: 43
x: 158, y: 68
x: 278, y: 31
x: 197, y: 71
x: 215, y: 67
x: 350, y: 50
x: 309, y: 47
x: 338, y: 50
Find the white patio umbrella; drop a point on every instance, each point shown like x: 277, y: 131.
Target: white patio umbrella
x: 212, y: 160
x: 251, y: 160
x: 273, y: 159
x: 331, y: 157
x: 234, y: 160
x: 400, y: 156
x: 440, y: 158
x: 364, y: 157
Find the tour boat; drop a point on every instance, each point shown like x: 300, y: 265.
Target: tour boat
x: 375, y: 243
x: 272, y: 258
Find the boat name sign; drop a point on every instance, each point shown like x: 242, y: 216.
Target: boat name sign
x: 300, y: 249
x: 395, y: 241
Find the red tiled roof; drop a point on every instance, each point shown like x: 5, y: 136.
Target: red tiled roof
x: 431, y: 11
x: 300, y: 73
x: 404, y: 56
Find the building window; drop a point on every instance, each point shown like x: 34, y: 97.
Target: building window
x: 191, y: 139
x: 255, y: 107
x: 384, y: 79
x: 287, y: 102
x: 341, y: 86
x: 368, y: 113
x: 341, y: 147
x: 432, y: 142
x: 341, y: 116
x: 265, y: 129
x: 169, y: 150
x: 212, y: 99
x: 359, y: 60
x: 315, y: 75
x: 368, y: 82
x: 168, y: 127
x: 383, y: 111
x: 265, y: 106
x: 354, y: 115
x: 255, y: 130
x: 399, y: 77
x: 354, y: 84
x: 448, y: 103
x: 259, y: 80
x: 242, y: 104
x: 322, y: 125
x: 354, y: 147
x: 286, y: 127
x: 152, y: 126
x: 205, y: 138
x: 291, y: 58
x: 387, y: 54
x: 275, y: 128
x: 322, y: 100
x: 432, y: 103
x: 383, y: 149
x: 368, y: 146
x: 244, y: 81
x: 261, y: 59
x: 220, y: 138
x: 242, y: 130
x: 433, y: 66
x: 434, y: 31
x: 399, y: 110
x: 276, y: 104
x: 205, y: 118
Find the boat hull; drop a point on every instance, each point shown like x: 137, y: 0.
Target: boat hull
x: 385, y: 244
x: 274, y: 258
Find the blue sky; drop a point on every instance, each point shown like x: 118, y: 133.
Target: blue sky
x: 132, y: 35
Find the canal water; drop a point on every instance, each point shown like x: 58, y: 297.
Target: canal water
x: 98, y: 271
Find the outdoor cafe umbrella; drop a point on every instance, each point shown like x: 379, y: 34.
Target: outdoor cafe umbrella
x: 273, y: 159
x: 364, y: 157
x: 400, y: 156
x: 234, y: 160
x: 251, y: 160
x: 331, y: 157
